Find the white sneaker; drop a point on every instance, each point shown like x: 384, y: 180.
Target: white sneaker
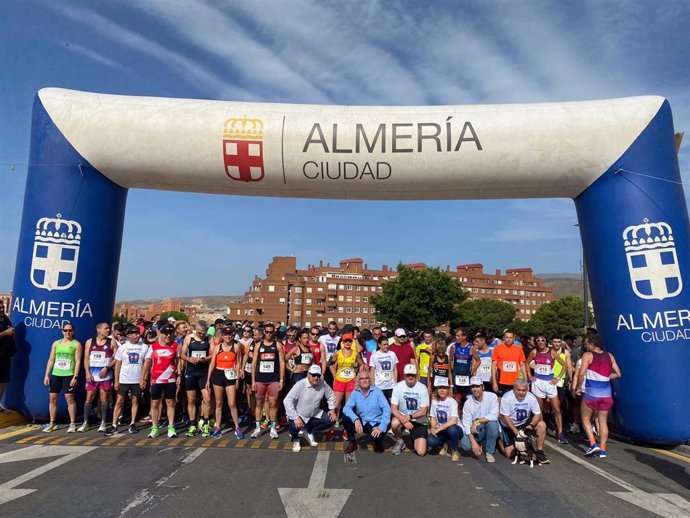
x: 83, y: 428
x: 312, y: 442
x: 72, y: 428
x: 296, y: 446
x: 256, y: 433
x: 103, y: 428
x: 274, y: 433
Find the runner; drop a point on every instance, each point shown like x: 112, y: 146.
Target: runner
x: 439, y: 366
x: 444, y: 419
x: 196, y: 355
x: 247, y: 343
x: 464, y: 362
x: 344, y: 365
x: 409, y: 406
x: 382, y: 367
x: 517, y: 406
x: 268, y: 374
x: 404, y: 350
x: 222, y: 374
x: 317, y: 348
x: 423, y: 354
x: 544, y: 382
x: 330, y: 343
x: 509, y: 359
x: 129, y: 377
x: 161, y: 362
x: 301, y: 357
x: 565, y: 376
x: 484, y: 351
x: 62, y: 372
x: 598, y: 369
x: 98, y: 364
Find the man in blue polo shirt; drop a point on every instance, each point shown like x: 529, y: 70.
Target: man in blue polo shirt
x: 366, y: 411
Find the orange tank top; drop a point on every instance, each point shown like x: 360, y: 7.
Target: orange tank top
x: 226, y: 359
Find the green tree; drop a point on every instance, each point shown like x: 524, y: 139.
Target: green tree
x: 564, y: 315
x: 418, y: 298
x: 482, y: 314
x: 119, y: 318
x: 177, y: 315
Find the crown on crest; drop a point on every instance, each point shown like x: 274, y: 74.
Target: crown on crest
x: 648, y: 235
x: 58, y: 230
x: 244, y: 128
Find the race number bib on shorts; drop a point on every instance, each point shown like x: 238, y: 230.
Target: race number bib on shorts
x: 347, y: 374
x: 98, y: 359
x: 543, y: 370
x: 230, y: 374
x: 63, y: 364
x: 266, y: 367
x: 462, y: 381
x: 198, y: 354
x: 509, y: 366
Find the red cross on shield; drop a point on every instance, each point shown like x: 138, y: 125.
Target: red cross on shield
x: 244, y: 159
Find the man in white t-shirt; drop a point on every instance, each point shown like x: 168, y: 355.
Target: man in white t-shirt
x: 520, y: 410
x: 330, y: 341
x: 444, y: 421
x: 129, y: 361
x: 382, y: 368
x: 480, y: 420
x: 409, y: 406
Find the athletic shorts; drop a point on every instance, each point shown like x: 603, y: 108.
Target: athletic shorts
x: 419, y: 431
x: 126, y: 388
x: 503, y: 390
x: 103, y: 385
x: 5, y: 370
x: 61, y: 384
x: 488, y: 387
x: 465, y: 391
x: 388, y: 393
x: 272, y: 389
x: 163, y: 390
x: 297, y: 376
x: 343, y: 386
x: 600, y: 404
x: 544, y: 389
x: 195, y: 380
x: 248, y: 380
x: 218, y: 379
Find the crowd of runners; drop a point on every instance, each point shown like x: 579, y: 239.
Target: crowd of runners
x: 447, y: 393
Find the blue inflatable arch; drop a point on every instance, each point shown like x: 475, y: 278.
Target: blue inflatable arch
x: 615, y: 158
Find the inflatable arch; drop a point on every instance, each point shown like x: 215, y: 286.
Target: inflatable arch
x: 615, y: 158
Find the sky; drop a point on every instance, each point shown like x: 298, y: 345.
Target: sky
x: 331, y: 52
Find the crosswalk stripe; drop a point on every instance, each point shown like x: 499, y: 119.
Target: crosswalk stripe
x: 256, y: 445
x: 58, y: 440
x: 223, y: 443
x: 93, y: 441
x: 19, y: 431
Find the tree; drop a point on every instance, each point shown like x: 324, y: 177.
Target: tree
x: 483, y: 314
x: 119, y: 318
x: 177, y: 315
x: 418, y: 298
x: 562, y: 316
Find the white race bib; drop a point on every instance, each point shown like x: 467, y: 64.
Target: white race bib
x: 98, y: 359
x: 484, y: 368
x: 266, y: 367
x: 543, y: 370
x: 63, y: 364
x: 248, y: 367
x: 509, y: 366
x: 436, y: 378
x: 462, y: 381
x: 306, y: 359
x: 198, y: 354
x: 385, y: 375
x: 230, y: 374
x: 347, y: 374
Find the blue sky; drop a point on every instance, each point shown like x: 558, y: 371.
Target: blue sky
x: 335, y: 53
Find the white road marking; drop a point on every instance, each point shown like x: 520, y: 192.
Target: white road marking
x: 66, y: 454
x: 315, y: 501
x: 193, y: 456
x: 669, y: 505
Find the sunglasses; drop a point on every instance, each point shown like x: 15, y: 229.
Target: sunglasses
x: 68, y: 330
x: 315, y: 375
x: 314, y: 334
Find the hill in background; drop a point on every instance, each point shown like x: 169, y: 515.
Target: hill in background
x: 563, y: 284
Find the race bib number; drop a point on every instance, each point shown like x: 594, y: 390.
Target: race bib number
x: 248, y: 367
x: 441, y: 416
x: 266, y: 367
x: 306, y: 359
x: 98, y: 359
x: 509, y: 366
x: 462, y: 381
x: 347, y: 374
x: 385, y: 376
x: 437, y: 378
x: 198, y: 354
x: 63, y: 364
x: 230, y: 374
x: 543, y: 370
x: 484, y: 368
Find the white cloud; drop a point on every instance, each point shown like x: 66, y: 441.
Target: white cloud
x: 93, y: 55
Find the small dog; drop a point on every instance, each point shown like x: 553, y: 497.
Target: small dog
x: 526, y: 447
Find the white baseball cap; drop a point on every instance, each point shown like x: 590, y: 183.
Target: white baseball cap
x: 400, y: 332
x: 410, y: 369
x: 315, y: 369
x: 476, y: 380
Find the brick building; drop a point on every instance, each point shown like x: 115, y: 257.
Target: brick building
x: 342, y: 293
x: 146, y: 311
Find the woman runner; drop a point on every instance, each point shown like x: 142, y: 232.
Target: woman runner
x: 223, y: 376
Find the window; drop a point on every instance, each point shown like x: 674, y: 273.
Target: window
x: 341, y: 298
x: 332, y: 286
x: 366, y: 288
x: 348, y: 310
x: 297, y: 313
x: 357, y: 299
x: 281, y: 300
x: 348, y: 321
x: 349, y: 287
x: 248, y: 311
x: 358, y: 309
x: 298, y: 301
x: 307, y: 313
x: 341, y: 286
x: 358, y: 288
x: 373, y: 320
x: 340, y: 309
x: 340, y: 321
x: 349, y: 298
x: 271, y: 287
x: 320, y: 290
x: 365, y: 299
x: 309, y: 290
x: 298, y: 289
x: 308, y: 301
x: 365, y: 310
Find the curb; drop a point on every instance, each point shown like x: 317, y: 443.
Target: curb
x: 12, y: 418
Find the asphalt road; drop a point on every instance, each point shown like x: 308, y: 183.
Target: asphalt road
x: 90, y: 475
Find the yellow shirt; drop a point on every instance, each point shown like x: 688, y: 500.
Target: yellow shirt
x: 346, y: 366
x: 423, y: 359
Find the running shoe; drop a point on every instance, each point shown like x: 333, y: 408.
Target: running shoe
x: 171, y: 432
x: 443, y: 451
x: 146, y: 419
x: 72, y: 428
x: 192, y: 431
x: 345, y: 436
x: 296, y: 446
x: 83, y: 428
x: 239, y: 433
x: 50, y: 427
x: 132, y: 428
x: 592, y: 449
x: 216, y: 432
x: 455, y: 456
x: 490, y: 458
x: 256, y: 433
x: 111, y: 431
x: 351, y: 447
x: 205, y: 430
x: 102, y: 428
x: 562, y: 439
x: 329, y: 435
x: 274, y: 433
x: 311, y: 440
x: 602, y: 454
x: 575, y: 428
x: 155, y: 432
x: 399, y: 447
x: 542, y: 458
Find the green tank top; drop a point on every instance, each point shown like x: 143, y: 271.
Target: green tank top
x: 65, y: 358
x: 557, y: 368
